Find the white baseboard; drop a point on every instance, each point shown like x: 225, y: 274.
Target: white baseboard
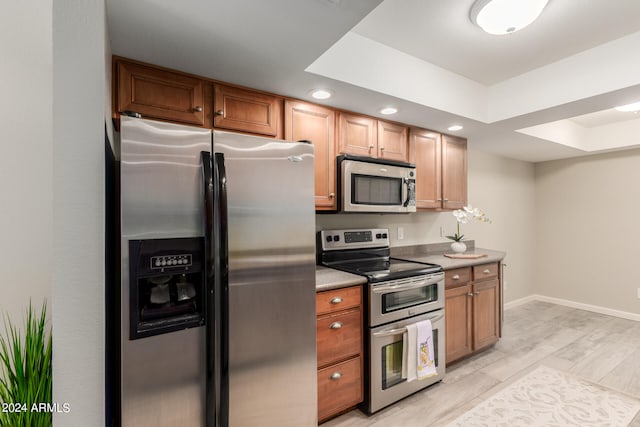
x: 573, y: 304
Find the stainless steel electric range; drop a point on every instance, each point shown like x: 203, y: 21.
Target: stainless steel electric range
x: 398, y: 293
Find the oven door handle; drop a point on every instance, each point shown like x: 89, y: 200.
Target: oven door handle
x: 396, y: 331
x: 385, y: 289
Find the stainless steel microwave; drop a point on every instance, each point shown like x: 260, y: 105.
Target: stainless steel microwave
x: 372, y: 185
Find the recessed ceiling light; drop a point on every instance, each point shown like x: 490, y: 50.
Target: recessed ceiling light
x: 321, y: 94
x: 635, y: 107
x: 454, y: 128
x: 388, y: 110
x: 500, y: 17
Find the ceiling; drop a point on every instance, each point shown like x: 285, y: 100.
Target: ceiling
x: 543, y: 93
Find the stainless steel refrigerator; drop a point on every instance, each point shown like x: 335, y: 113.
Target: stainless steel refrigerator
x: 217, y: 295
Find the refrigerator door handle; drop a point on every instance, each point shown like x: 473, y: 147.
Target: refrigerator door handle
x: 212, y: 366
x: 221, y: 287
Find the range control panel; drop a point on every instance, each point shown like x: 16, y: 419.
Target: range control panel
x: 164, y: 261
x: 354, y: 239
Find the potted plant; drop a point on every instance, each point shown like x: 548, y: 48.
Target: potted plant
x: 463, y: 216
x: 25, y: 372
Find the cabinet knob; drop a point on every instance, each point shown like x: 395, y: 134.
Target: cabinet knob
x: 370, y: 147
x: 336, y: 300
x: 331, y: 196
x: 470, y: 294
x: 335, y: 376
x: 476, y: 293
x: 381, y: 148
x: 220, y: 113
x: 335, y: 325
x: 456, y: 277
x: 487, y: 271
x: 446, y: 200
x: 197, y: 109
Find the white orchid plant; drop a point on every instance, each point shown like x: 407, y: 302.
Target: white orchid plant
x: 463, y: 216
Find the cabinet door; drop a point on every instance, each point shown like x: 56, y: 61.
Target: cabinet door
x: 459, y: 317
x: 393, y: 142
x: 160, y: 94
x: 357, y: 135
x: 247, y: 111
x: 454, y: 172
x: 425, y: 153
x: 486, y: 314
x: 316, y: 124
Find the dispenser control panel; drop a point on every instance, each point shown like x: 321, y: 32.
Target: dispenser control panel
x: 164, y: 261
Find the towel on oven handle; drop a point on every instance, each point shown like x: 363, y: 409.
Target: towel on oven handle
x: 425, y: 359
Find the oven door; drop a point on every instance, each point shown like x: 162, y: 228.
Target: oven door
x: 401, y: 298
x: 385, y: 361
x: 374, y: 187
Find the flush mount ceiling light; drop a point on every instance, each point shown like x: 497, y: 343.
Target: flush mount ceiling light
x: 321, y: 94
x: 505, y: 16
x: 633, y: 108
x: 454, y: 128
x: 388, y: 110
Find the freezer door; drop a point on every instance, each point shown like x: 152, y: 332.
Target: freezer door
x: 271, y: 276
x: 162, y: 377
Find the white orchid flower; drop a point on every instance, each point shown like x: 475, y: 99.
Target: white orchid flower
x: 463, y: 216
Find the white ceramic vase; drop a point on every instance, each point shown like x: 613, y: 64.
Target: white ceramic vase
x: 458, y: 247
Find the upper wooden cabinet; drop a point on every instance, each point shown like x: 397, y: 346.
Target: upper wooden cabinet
x: 426, y: 153
x: 441, y: 169
x: 247, y: 111
x: 364, y: 136
x: 454, y: 172
x: 357, y: 135
x: 160, y: 94
x: 304, y: 121
x: 392, y: 141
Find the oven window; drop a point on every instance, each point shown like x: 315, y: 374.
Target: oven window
x: 403, y: 299
x: 376, y: 190
x: 392, y: 361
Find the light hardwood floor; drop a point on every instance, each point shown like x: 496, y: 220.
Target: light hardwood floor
x: 601, y: 349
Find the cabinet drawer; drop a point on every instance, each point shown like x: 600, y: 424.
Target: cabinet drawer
x: 339, y: 336
x: 485, y: 271
x: 339, y: 387
x: 338, y: 299
x: 458, y: 276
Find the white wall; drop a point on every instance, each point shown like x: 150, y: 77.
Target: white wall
x: 588, y: 229
x: 504, y: 189
x: 25, y: 157
x: 78, y: 210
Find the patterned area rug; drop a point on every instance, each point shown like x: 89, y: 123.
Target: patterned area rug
x: 547, y: 397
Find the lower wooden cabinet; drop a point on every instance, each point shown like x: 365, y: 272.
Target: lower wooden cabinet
x: 339, y: 347
x: 472, y: 309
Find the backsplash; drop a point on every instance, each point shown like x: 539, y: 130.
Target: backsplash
x: 428, y: 249
x: 418, y: 228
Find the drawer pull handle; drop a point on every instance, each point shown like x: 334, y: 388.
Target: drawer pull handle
x: 470, y: 294
x: 335, y: 376
x: 456, y: 277
x: 220, y: 113
x: 336, y: 300
x: 197, y: 109
x: 476, y: 293
x: 335, y: 325
x: 487, y: 271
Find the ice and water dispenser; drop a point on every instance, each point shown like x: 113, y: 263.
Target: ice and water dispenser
x: 167, y: 285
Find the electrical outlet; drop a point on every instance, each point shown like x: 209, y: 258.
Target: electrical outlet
x: 400, y: 233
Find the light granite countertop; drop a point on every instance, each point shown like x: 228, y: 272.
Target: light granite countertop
x: 328, y: 278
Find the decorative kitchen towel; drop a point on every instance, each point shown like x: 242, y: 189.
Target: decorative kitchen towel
x: 426, y: 364
x: 412, y: 352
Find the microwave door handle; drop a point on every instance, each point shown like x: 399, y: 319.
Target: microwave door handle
x: 396, y: 331
x: 405, y: 192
